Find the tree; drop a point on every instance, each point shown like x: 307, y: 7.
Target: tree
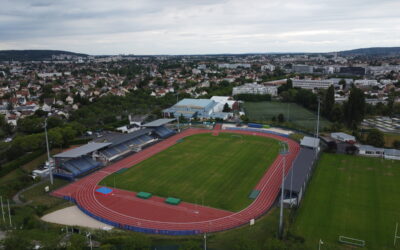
x: 329, y: 102
x: 343, y: 83
x: 244, y: 118
x: 77, y: 242
x: 281, y: 118
x: 375, y: 138
x: 337, y: 113
x: 354, y: 109
x: 396, y: 144
x: 30, y: 124
x: 226, y: 108
x: 16, y: 242
x: 190, y: 245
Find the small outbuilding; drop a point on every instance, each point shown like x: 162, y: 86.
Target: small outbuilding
x: 343, y: 137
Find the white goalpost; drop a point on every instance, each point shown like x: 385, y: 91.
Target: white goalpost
x: 351, y: 241
x: 395, y: 235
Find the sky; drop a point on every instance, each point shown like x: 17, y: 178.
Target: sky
x: 99, y: 27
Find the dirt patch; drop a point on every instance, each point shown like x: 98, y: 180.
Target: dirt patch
x: 72, y: 216
x: 370, y: 169
x: 342, y: 169
x: 388, y: 174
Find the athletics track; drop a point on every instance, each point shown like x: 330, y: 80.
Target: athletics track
x: 122, y: 209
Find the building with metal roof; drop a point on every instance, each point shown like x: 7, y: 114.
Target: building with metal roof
x: 343, y: 137
x: 392, y: 154
x: 191, y: 108
x: 369, y: 150
x: 118, y: 138
x: 297, y: 178
x: 309, y: 142
x: 82, y: 150
x: 158, y: 123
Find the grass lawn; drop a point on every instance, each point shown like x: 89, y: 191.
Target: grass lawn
x: 217, y: 171
x: 352, y: 196
x: 39, y: 197
x: 264, y: 111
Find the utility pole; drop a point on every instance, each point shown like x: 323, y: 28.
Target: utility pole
x: 205, y: 241
x: 283, y: 152
x: 48, y: 152
x: 2, y: 209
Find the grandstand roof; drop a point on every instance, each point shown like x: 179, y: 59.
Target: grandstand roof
x: 158, y: 123
x: 118, y: 138
x: 301, y: 169
x: 82, y: 150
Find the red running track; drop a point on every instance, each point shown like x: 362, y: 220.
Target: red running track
x: 123, y: 208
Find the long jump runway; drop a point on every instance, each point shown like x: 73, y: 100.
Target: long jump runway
x: 122, y: 209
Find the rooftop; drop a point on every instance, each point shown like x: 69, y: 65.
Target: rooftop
x: 194, y: 103
x: 82, y: 150
x: 158, y: 123
x: 118, y: 138
x: 309, y: 142
x: 301, y: 169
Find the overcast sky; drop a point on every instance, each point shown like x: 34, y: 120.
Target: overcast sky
x: 198, y: 26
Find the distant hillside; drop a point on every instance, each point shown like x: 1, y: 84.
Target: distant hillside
x: 377, y: 51
x: 33, y: 55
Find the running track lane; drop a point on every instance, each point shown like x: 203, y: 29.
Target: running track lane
x: 83, y: 191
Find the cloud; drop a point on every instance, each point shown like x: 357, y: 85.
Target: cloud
x: 198, y: 26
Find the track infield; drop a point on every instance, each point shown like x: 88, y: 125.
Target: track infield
x: 216, y: 171
x: 122, y: 209
x: 353, y: 196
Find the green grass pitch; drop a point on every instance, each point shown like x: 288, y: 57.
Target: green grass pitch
x: 217, y: 171
x: 264, y: 111
x: 357, y: 197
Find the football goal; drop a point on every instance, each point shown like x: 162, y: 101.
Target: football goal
x: 351, y: 241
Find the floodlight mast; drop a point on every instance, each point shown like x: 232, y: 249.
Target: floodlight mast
x: 48, y: 152
x: 317, y: 130
x: 177, y: 100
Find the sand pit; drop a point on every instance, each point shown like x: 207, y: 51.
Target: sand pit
x: 72, y: 216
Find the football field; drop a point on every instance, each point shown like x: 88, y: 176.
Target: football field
x: 217, y: 171
x: 357, y: 197
x: 296, y: 114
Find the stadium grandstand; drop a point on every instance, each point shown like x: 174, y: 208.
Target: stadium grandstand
x: 121, y: 144
x: 78, y: 161
x: 159, y: 127
x: 297, y: 179
x: 108, y: 147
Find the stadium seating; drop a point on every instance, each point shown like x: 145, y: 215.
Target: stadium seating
x: 79, y: 166
x: 163, y: 132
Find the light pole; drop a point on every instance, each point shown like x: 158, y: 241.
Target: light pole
x: 317, y: 130
x: 48, y: 152
x: 2, y: 209
x: 282, y: 152
x: 177, y: 100
x: 205, y: 241
x: 89, y: 235
x: 291, y: 185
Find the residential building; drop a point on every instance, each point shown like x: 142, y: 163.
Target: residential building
x: 312, y: 84
x: 256, y: 89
